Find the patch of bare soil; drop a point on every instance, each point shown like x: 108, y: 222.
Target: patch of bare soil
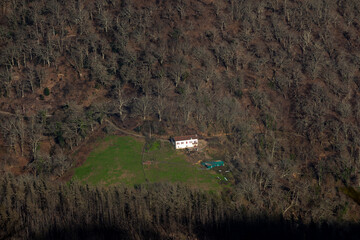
x: 196, y: 157
x: 18, y: 168
x: 15, y: 164
x: 126, y: 174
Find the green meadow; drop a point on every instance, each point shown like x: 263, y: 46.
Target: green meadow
x: 119, y: 160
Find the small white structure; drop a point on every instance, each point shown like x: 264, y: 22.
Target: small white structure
x: 182, y: 142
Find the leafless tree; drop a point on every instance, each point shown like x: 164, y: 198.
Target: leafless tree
x: 35, y: 134
x: 143, y: 106
x: 122, y: 101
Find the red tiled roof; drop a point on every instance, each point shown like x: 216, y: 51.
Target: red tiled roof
x: 182, y: 138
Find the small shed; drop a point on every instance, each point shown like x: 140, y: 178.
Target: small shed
x: 181, y: 142
x: 212, y: 164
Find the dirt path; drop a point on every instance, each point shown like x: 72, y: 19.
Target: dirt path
x: 7, y: 113
x: 163, y: 139
x: 123, y: 130
x: 14, y: 114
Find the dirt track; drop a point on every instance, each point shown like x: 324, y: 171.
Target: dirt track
x: 7, y: 113
x: 164, y: 139
x: 13, y: 114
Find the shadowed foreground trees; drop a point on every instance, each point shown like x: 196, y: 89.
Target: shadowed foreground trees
x: 33, y: 208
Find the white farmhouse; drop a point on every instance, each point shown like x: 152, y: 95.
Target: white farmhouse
x: 182, y: 142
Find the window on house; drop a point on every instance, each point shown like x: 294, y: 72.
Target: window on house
x: 182, y: 142
x: 177, y: 143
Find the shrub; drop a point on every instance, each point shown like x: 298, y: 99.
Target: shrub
x: 180, y: 90
x: 46, y: 91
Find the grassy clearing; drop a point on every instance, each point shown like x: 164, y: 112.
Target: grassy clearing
x: 115, y: 160
x: 167, y: 164
x: 119, y: 160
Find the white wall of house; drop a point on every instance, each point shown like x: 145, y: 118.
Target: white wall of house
x: 190, y: 143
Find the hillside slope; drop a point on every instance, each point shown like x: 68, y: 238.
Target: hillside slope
x: 280, y: 77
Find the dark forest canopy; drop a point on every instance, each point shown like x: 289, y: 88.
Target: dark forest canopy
x: 34, y: 209
x: 279, y: 80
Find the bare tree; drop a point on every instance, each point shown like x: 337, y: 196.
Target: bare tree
x: 160, y: 104
x: 143, y: 106
x: 177, y: 69
x: 121, y: 102
x: 35, y: 135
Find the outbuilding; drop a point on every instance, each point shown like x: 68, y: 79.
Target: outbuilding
x: 212, y: 164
